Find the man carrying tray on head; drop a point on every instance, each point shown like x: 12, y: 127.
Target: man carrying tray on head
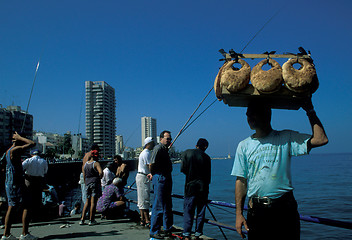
x: 262, y: 167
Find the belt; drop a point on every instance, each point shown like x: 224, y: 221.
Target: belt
x: 269, y: 202
x: 143, y: 173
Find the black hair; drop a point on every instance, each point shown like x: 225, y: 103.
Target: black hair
x: 202, y: 143
x: 118, y: 157
x: 260, y: 108
x: 95, y: 147
x: 163, y: 132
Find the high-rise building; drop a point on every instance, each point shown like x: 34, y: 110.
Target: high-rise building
x: 12, y: 119
x: 100, y: 116
x: 119, y: 144
x: 148, y: 128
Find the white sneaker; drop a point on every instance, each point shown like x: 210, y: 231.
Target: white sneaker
x: 92, y: 223
x: 10, y: 237
x: 28, y: 237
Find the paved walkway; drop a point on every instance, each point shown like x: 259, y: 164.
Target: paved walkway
x: 68, y: 228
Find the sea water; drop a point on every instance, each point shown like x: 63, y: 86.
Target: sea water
x: 323, y: 188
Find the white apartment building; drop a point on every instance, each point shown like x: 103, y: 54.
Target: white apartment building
x: 100, y: 116
x: 119, y: 144
x: 148, y: 128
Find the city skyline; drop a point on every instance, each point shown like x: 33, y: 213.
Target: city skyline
x: 162, y: 59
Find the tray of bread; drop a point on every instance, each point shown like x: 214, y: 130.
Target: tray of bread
x: 283, y: 87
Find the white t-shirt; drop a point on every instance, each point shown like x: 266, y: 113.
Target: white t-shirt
x: 144, y: 161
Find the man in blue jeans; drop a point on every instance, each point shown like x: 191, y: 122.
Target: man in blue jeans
x: 196, y: 165
x: 160, y: 173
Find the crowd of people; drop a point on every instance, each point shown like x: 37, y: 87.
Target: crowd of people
x: 261, y: 167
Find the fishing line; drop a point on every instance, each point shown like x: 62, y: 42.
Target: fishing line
x: 255, y: 35
x: 30, y: 95
x: 185, y: 126
x: 134, y: 131
x: 79, y: 122
x: 199, y: 115
x: 190, y: 118
x: 80, y: 115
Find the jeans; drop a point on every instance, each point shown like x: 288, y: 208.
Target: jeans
x: 162, y: 206
x: 189, y: 207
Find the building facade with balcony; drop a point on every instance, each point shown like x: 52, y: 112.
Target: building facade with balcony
x: 12, y: 119
x: 100, y: 116
x: 148, y: 126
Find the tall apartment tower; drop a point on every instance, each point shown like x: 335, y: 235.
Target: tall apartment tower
x: 100, y: 116
x: 12, y: 119
x: 148, y: 128
x: 119, y: 144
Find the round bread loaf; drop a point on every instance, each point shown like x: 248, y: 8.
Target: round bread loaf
x: 267, y: 81
x: 300, y: 80
x: 217, y: 83
x: 234, y: 80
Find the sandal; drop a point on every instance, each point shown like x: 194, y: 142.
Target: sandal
x: 142, y: 223
x: 147, y: 225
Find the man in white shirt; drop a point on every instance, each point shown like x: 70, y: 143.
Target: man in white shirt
x: 35, y: 169
x: 143, y: 182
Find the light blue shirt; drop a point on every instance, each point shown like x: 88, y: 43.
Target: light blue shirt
x: 266, y: 162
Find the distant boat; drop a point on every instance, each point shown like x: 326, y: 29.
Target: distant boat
x: 229, y: 156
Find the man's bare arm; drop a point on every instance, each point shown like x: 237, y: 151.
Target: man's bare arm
x: 319, y: 137
x: 100, y: 170
x: 240, y: 196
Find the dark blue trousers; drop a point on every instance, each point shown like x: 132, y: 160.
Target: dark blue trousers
x: 162, y: 206
x: 189, y: 207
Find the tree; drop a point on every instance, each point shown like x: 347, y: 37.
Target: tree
x: 71, y: 151
x: 50, y: 153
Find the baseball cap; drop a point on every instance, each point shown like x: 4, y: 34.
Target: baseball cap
x: 34, y: 152
x: 148, y: 140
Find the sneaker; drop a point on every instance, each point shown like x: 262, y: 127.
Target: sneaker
x: 10, y: 237
x: 173, y: 229
x: 156, y: 236
x: 81, y: 222
x: 28, y: 237
x: 92, y: 223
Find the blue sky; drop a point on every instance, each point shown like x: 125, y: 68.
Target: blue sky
x: 162, y: 58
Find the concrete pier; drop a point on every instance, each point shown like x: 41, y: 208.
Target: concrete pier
x: 69, y: 228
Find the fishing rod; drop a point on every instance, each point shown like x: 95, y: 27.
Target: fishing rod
x: 266, y: 23
x: 129, y: 137
x: 199, y: 115
x: 30, y: 95
x: 180, y: 132
x: 185, y: 126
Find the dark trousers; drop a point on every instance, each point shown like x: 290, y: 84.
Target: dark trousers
x: 189, y: 206
x: 35, y: 188
x: 278, y: 221
x: 162, y: 206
